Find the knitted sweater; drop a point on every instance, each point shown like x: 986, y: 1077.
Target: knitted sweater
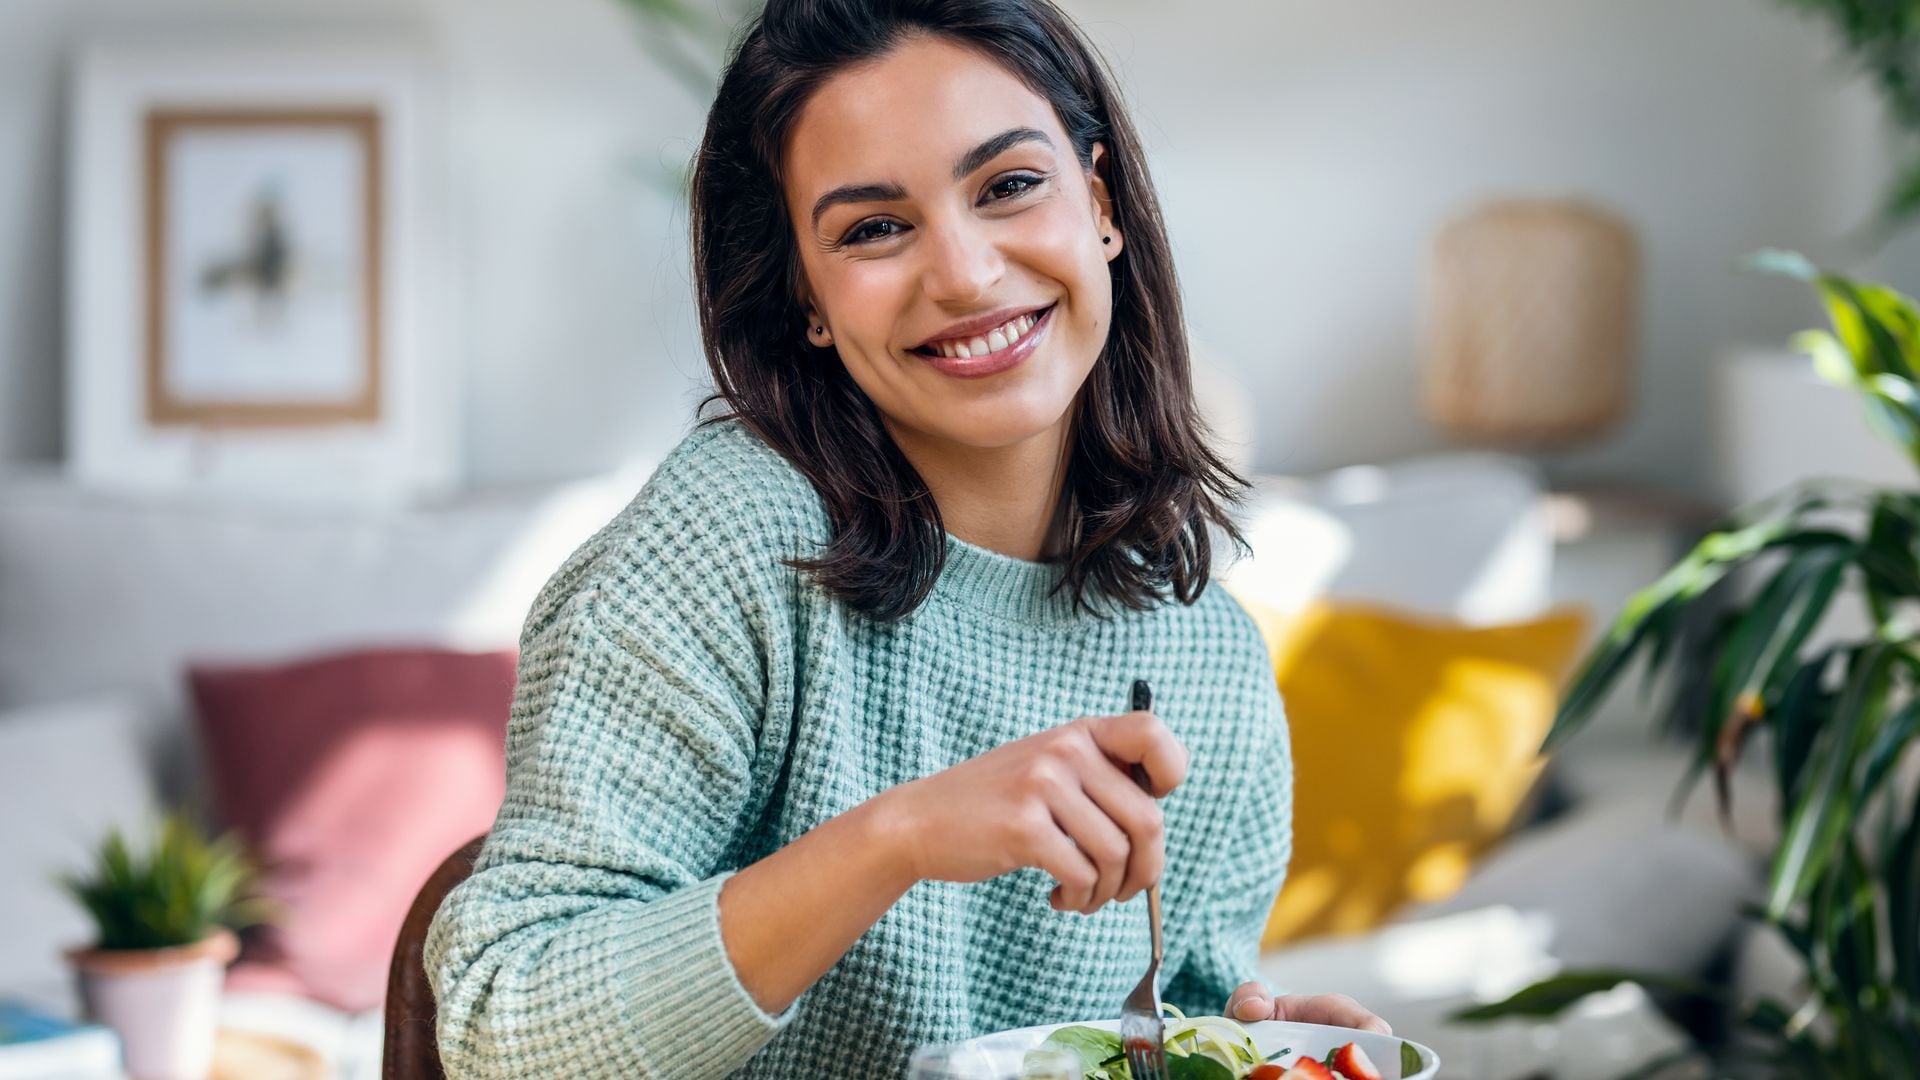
x: 687, y: 704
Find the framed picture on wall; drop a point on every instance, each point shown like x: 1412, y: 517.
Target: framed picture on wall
x: 262, y: 266
x: 252, y: 268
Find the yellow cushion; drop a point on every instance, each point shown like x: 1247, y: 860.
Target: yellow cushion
x: 1414, y: 742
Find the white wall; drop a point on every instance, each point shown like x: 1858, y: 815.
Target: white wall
x: 1306, y: 152
x: 1308, y: 156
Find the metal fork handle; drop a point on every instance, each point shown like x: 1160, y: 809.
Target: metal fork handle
x: 1153, y: 890
x: 1142, y: 701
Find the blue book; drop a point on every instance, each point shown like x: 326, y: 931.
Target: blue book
x: 36, y: 1045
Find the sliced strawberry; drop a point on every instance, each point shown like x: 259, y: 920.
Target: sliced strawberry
x: 1352, y: 1062
x: 1307, y: 1069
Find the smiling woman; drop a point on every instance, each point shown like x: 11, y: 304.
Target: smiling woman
x: 817, y: 752
x: 923, y: 177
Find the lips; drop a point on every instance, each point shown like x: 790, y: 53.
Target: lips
x: 982, y: 336
x: 993, y: 361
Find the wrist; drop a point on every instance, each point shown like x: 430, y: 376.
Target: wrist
x: 882, y: 830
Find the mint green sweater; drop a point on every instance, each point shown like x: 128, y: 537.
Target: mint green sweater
x: 687, y: 705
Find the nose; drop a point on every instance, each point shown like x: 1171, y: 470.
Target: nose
x: 963, y: 263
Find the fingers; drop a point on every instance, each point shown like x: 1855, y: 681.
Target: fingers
x: 1100, y: 836
x: 1338, y: 1010
x: 1057, y: 854
x: 1100, y: 841
x: 1141, y: 737
x: 1250, y: 1002
x: 1130, y: 809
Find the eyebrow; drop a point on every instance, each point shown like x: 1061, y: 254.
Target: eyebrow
x: 971, y: 160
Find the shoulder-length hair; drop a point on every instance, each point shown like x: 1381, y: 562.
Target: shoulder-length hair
x: 1142, y: 485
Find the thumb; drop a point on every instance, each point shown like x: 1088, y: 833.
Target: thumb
x: 1250, y: 1002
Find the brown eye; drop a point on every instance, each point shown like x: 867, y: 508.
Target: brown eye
x: 868, y: 231
x: 1011, y: 187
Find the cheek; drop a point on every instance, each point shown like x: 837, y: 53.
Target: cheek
x: 864, y: 300
x: 1067, y: 251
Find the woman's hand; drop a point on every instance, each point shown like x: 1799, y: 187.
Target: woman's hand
x: 1062, y: 801
x: 1252, y: 1001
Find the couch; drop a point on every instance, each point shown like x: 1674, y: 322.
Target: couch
x: 105, y: 598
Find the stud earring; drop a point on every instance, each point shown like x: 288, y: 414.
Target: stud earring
x: 1106, y: 239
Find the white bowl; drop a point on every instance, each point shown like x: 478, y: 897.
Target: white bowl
x: 1304, y: 1040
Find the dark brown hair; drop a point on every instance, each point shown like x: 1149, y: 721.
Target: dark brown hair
x: 1143, y: 488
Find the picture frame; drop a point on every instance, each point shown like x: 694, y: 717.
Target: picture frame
x: 253, y: 259
x: 261, y: 259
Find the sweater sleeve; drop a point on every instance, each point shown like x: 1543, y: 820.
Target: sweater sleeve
x: 587, y: 941
x: 1225, y: 950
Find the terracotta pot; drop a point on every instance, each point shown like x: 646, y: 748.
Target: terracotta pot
x: 163, y: 1003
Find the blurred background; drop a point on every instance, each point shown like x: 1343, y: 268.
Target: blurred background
x: 328, y: 329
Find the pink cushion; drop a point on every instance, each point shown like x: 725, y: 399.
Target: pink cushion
x: 352, y: 776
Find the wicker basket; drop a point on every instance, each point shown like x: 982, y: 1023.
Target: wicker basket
x: 1533, y: 323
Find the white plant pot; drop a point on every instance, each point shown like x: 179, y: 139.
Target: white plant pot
x: 163, y: 1003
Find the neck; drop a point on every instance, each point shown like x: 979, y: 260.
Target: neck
x: 1004, y: 499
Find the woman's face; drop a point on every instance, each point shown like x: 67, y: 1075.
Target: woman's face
x: 951, y: 243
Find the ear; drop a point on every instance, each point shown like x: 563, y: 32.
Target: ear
x: 1097, y: 170
x: 816, y: 331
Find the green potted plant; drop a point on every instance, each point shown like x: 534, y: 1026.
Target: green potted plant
x: 1840, y: 720
x: 165, y: 920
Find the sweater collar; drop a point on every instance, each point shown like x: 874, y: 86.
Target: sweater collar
x: 982, y: 579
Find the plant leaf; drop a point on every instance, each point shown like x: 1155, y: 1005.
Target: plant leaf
x: 1830, y: 359
x: 1902, y: 875
x: 1804, y: 707
x: 1844, y: 912
x: 1890, y: 741
x: 1766, y: 640
x: 1705, y: 566
x: 1551, y: 996
x: 173, y: 894
x: 1824, y: 811
x: 1780, y: 261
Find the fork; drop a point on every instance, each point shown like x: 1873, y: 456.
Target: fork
x: 1142, y: 1029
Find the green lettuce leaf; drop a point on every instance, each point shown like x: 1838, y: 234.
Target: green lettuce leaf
x: 1091, y: 1044
x: 1096, y: 1047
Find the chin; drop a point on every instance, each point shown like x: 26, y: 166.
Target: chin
x: 994, y: 424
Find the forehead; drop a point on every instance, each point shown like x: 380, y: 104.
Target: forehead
x: 913, y: 111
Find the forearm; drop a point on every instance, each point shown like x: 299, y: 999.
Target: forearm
x: 543, y: 969
x: 791, y: 916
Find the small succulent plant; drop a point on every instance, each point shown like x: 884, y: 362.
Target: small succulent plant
x: 176, y: 893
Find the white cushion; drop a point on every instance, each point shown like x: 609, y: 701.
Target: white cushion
x: 1417, y: 974
x: 119, y: 593
x: 1571, y: 893
x: 1591, y: 878
x: 1297, y: 548
x: 1459, y: 535
x: 70, y: 772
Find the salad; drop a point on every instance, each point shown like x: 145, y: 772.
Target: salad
x: 1217, y: 1048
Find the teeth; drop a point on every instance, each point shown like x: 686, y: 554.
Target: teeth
x: 996, y: 339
